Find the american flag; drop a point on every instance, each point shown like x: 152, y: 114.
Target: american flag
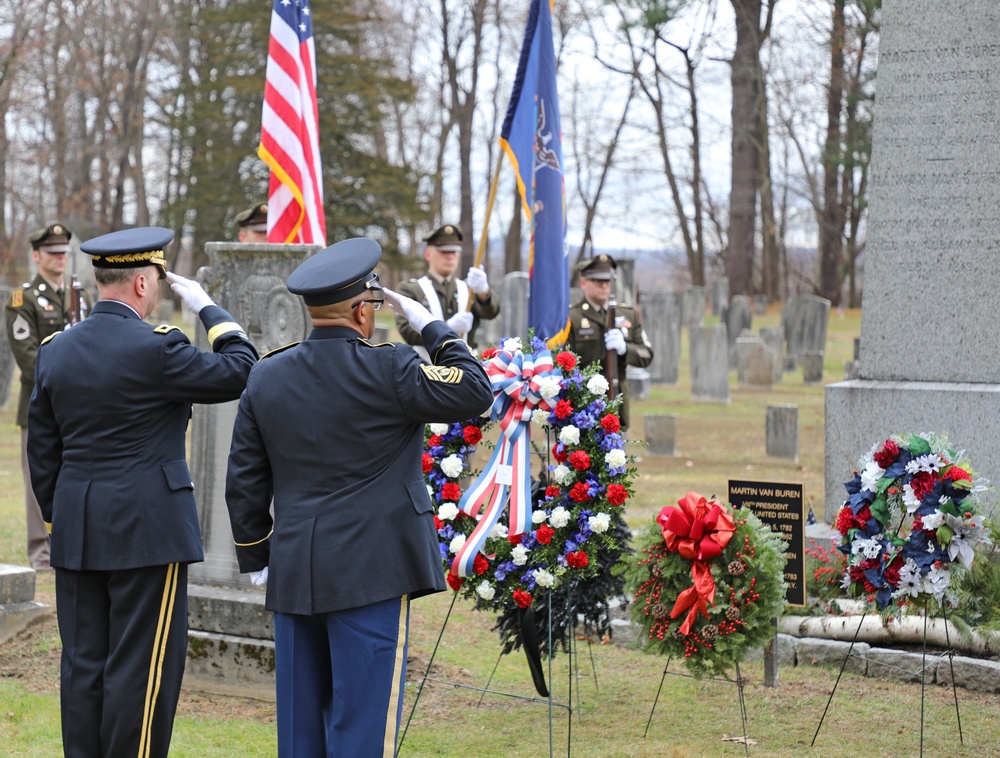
x: 289, y: 138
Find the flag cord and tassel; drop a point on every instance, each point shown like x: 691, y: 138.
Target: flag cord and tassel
x: 484, y: 237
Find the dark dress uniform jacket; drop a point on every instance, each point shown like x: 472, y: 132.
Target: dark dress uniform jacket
x: 587, y: 325
x: 334, y: 428
x: 35, y: 312
x: 447, y: 292
x: 106, y: 430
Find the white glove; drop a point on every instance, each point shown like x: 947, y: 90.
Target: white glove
x: 477, y: 281
x: 259, y: 577
x: 461, y: 322
x: 190, y: 292
x: 414, y: 312
x: 615, y: 340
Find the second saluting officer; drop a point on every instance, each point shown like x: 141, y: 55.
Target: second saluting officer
x: 333, y: 429
x: 106, y: 450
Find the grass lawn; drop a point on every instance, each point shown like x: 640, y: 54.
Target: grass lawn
x: 613, y: 689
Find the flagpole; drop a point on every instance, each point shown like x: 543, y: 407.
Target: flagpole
x: 483, y: 238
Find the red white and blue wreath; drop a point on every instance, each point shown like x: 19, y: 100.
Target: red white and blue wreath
x: 562, y: 535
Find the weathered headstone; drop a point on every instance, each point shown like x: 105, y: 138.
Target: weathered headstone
x: 18, y: 606
x: 805, y: 321
x: 709, y: 363
x: 693, y: 306
x: 754, y: 363
x: 248, y: 280
x: 7, y: 364
x: 639, y: 382
x: 661, y: 433
x: 720, y: 294
x: 737, y: 317
x: 774, y: 338
x: 812, y: 366
x: 661, y: 318
x: 782, y: 434
x: 760, y: 304
x: 514, y: 305
x: 929, y: 357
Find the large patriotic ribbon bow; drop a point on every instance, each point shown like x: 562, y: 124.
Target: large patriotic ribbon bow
x: 699, y: 530
x: 515, y: 377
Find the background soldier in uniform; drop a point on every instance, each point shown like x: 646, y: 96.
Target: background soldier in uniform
x: 41, y: 307
x: 107, y: 424
x: 333, y: 428
x: 253, y: 224
x: 588, y: 334
x: 445, y: 296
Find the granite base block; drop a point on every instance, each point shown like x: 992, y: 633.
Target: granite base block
x: 811, y: 651
x: 15, y: 617
x: 228, y: 665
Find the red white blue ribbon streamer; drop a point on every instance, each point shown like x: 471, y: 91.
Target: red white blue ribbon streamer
x: 515, y: 377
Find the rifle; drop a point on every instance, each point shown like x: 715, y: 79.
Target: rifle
x: 75, y: 315
x: 611, y: 357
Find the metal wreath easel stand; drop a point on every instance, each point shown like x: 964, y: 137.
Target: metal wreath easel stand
x: 738, y: 681
x: 922, y: 672
x: 550, y: 701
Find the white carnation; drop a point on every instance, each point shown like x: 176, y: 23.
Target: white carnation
x: 932, y: 520
x: 452, y: 466
x: 549, y: 387
x: 599, y: 524
x: 540, y: 417
x: 569, y: 435
x: 447, y: 511
x: 597, y: 385
x: 615, y: 458
x: 562, y: 474
x: 439, y: 428
x: 870, y: 476
x: 430, y: 492
x: 538, y: 517
x: 543, y: 578
x: 485, y: 590
x: 499, y: 531
x: 559, y: 518
x: 519, y: 555
x: 456, y: 543
x: 512, y: 345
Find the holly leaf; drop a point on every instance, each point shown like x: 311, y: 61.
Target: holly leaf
x: 880, y: 509
x: 944, y: 534
x: 918, y: 445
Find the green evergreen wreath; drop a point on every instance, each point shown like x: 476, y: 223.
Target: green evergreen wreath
x: 679, y: 620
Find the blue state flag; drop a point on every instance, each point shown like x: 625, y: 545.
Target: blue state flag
x: 532, y: 139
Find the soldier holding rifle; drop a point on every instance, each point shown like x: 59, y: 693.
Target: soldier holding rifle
x: 600, y: 328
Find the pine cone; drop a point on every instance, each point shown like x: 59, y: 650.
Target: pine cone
x: 659, y: 611
x: 733, y: 613
x: 709, y: 632
x: 657, y: 572
x: 736, y: 568
x: 678, y: 634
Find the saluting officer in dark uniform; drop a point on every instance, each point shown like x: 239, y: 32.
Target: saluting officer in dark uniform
x: 106, y: 449
x: 37, y: 309
x: 446, y: 296
x: 589, y: 336
x: 333, y: 428
x: 252, y: 223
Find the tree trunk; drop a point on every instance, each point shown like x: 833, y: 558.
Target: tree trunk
x: 769, y: 243
x: 832, y: 220
x: 512, y: 243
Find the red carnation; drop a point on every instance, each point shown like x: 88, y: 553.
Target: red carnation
x: 489, y: 353
x: 957, y: 474
x: 559, y: 452
x: 451, y: 491
x: 472, y: 435
x: 617, y: 494
x: 522, y: 598
x: 891, y: 572
x: 563, y: 409
x: 888, y: 454
x: 611, y: 424
x: 845, y: 520
x: 579, y: 460
x: 544, y: 534
x: 566, y: 361
x: 426, y: 462
x: 438, y: 523
x: 455, y: 581
x: 922, y: 483
x: 552, y: 491
x: 577, y: 560
x: 579, y: 492
x: 515, y: 539
x: 434, y: 440
x: 480, y: 564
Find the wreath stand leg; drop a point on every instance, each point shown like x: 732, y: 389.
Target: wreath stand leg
x: 923, y: 678
x: 739, y: 687
x: 837, y: 683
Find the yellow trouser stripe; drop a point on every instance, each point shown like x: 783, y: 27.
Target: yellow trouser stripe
x: 389, y: 741
x: 156, y: 659
x: 224, y: 328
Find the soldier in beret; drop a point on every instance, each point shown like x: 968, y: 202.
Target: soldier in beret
x: 106, y: 427
x: 252, y: 223
x: 589, y: 336
x: 446, y: 296
x: 38, y: 308
x: 332, y: 429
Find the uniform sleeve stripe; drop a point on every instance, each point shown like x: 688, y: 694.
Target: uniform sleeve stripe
x: 224, y: 328
x: 251, y: 544
x: 445, y: 374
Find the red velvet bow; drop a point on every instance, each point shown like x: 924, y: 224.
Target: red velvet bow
x: 699, y: 530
